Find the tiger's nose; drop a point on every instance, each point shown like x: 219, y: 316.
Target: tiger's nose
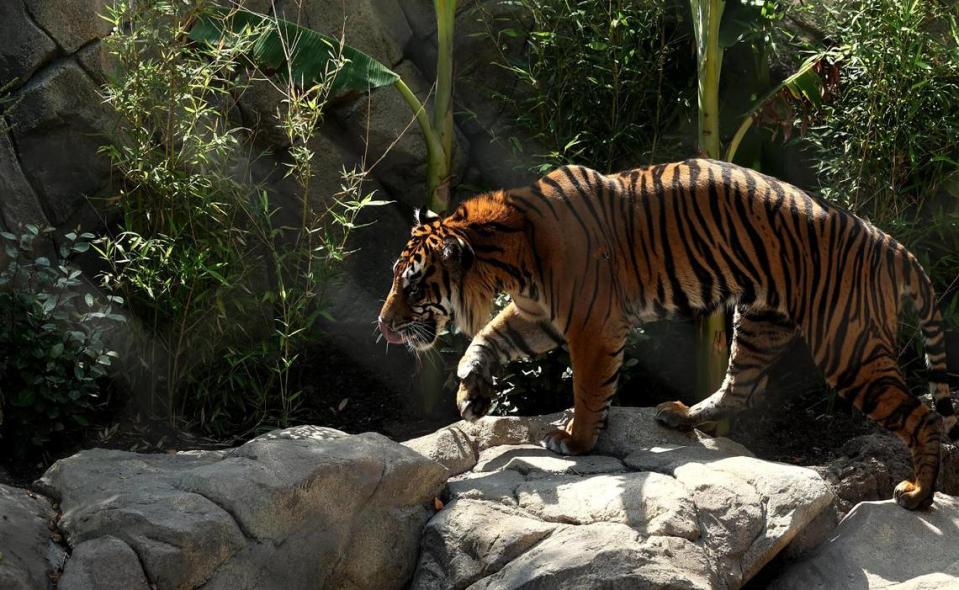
x: 388, y: 333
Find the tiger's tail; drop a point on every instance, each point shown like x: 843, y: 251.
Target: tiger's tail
x: 923, y: 298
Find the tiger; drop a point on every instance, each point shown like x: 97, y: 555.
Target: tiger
x: 585, y: 257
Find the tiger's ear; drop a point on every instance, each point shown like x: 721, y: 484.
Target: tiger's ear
x: 457, y: 254
x: 423, y: 216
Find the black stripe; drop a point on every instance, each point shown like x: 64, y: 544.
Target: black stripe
x: 612, y: 379
x: 525, y: 203
x: 937, y: 376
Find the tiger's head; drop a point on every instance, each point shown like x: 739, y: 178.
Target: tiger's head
x: 429, y: 280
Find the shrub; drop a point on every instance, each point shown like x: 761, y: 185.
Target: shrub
x: 227, y: 294
x: 604, y: 84
x: 886, y: 145
x: 54, y: 356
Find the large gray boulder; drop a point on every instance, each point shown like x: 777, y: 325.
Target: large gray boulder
x: 305, y: 507
x: 880, y: 545
x: 29, y: 557
x: 652, y: 507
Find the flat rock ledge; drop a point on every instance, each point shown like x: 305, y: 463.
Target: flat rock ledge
x: 305, y: 507
x: 880, y: 545
x: 651, y: 508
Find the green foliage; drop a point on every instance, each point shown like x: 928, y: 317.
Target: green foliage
x: 54, y: 356
x: 280, y: 46
x: 886, y: 145
x: 604, y: 84
x: 226, y: 290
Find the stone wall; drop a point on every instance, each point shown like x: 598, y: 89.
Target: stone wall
x: 50, y: 168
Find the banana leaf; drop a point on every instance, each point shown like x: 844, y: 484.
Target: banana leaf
x: 805, y: 85
x: 312, y: 54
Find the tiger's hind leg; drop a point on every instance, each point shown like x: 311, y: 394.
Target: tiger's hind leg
x: 879, y: 391
x: 759, y: 339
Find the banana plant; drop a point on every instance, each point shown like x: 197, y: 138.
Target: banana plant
x: 716, y: 29
x: 707, y: 17
x: 805, y: 86
x: 285, y: 48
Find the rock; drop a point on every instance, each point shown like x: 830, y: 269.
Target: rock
x: 708, y: 515
x: 28, y: 555
x: 25, y: 46
x: 499, y: 487
x: 498, y: 535
x: 297, y: 508
x: 515, y: 430
x: 667, y: 458
x: 605, y: 555
x: 71, y: 23
x: 96, y: 59
x: 451, y: 447
x: 650, y: 503
x: 792, y: 497
x: 355, y: 301
x: 22, y: 207
x: 105, y: 563
x: 58, y: 125
x: 880, y: 545
x: 635, y: 429
x: 730, y: 513
x: 872, y: 465
x: 375, y: 27
x: 633, y: 435
x: 528, y: 458
x: 812, y: 535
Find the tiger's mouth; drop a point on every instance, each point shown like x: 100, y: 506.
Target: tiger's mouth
x: 420, y: 334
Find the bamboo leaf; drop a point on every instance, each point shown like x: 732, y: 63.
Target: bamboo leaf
x: 313, y: 56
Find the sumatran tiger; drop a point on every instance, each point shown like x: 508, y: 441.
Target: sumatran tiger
x: 585, y: 256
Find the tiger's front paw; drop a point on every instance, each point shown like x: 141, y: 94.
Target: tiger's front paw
x: 912, y: 496
x: 674, y: 415
x: 474, y: 397
x: 564, y: 443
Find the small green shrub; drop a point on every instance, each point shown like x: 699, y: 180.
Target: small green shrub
x: 604, y: 84
x: 54, y: 356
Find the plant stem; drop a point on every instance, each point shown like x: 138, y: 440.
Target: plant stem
x: 707, y: 16
x: 438, y: 179
x: 437, y: 164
